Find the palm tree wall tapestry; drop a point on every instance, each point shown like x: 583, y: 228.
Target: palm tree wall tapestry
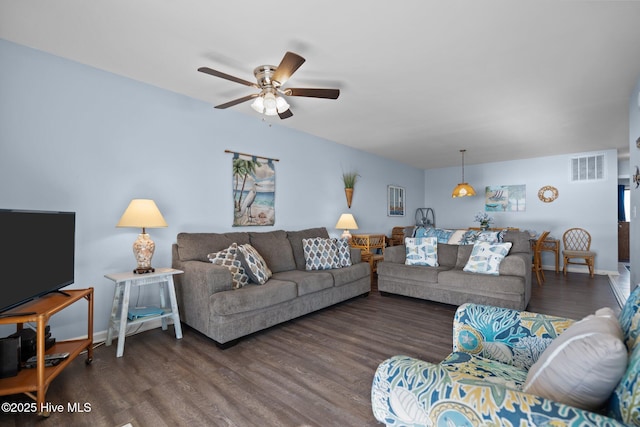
x: 254, y: 190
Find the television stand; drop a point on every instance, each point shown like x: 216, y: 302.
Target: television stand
x: 35, y: 382
x: 25, y: 313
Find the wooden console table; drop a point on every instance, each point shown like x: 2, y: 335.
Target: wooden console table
x: 40, y: 311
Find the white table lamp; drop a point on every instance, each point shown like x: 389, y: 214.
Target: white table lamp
x: 347, y: 222
x: 142, y: 213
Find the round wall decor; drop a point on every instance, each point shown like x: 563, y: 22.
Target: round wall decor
x: 548, y: 193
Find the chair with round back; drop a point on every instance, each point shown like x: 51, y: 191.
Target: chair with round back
x: 577, y: 246
x: 536, y: 266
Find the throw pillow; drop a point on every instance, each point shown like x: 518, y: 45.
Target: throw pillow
x: 421, y: 251
x: 486, y: 257
x: 229, y: 258
x: 491, y: 236
x: 441, y: 234
x: 344, y: 252
x: 583, y: 365
x: 254, y: 264
x: 456, y: 237
x: 320, y: 254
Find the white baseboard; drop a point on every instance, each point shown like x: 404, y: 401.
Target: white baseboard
x: 579, y: 269
x: 101, y: 336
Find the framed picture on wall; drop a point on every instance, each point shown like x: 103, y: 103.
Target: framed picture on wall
x: 395, y: 201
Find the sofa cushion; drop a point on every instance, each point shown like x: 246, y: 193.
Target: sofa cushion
x: 486, y: 257
x: 623, y: 403
x: 630, y: 319
x: 583, y: 365
x: 413, y: 273
x: 464, y: 252
x: 308, y: 281
x: 275, y: 249
x: 421, y: 251
x: 196, y: 246
x: 346, y: 275
x: 254, y: 264
x: 252, y: 297
x: 447, y: 254
x: 229, y: 258
x: 295, y: 238
x: 320, y: 254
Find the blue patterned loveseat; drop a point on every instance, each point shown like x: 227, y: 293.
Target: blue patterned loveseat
x: 482, y: 381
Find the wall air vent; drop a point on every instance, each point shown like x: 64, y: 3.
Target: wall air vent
x: 588, y: 168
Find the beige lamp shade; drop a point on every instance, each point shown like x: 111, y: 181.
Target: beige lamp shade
x: 142, y: 213
x: 347, y: 222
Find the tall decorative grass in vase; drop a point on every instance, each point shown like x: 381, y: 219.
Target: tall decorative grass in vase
x: 349, y: 179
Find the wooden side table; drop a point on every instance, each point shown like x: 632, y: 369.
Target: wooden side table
x: 119, y: 321
x: 550, y: 245
x: 369, y: 245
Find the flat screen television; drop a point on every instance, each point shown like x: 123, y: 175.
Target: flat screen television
x: 37, y: 254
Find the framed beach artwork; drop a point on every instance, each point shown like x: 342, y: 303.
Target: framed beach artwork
x: 253, y: 191
x: 505, y: 198
x: 395, y: 201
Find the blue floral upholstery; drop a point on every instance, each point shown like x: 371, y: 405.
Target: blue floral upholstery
x: 481, y: 382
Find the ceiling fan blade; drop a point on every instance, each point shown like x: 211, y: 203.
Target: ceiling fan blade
x: 237, y: 101
x: 313, y: 93
x: 286, y: 114
x: 289, y: 64
x: 222, y: 75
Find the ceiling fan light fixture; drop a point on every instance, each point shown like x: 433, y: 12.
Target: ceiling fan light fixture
x: 258, y: 104
x: 269, y: 100
x: 463, y: 189
x: 281, y: 104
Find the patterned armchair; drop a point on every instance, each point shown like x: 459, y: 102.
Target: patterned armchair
x: 481, y: 382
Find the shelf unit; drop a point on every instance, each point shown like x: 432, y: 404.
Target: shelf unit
x: 118, y: 322
x: 39, y: 311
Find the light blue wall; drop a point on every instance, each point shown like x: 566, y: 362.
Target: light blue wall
x: 592, y: 206
x: 74, y: 138
x: 634, y: 160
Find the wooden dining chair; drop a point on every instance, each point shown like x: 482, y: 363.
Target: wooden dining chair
x: 577, y: 245
x: 536, y: 266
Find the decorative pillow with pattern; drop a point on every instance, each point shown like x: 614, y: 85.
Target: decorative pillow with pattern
x: 254, y: 264
x: 486, y: 257
x: 320, y: 254
x: 440, y: 233
x: 229, y: 258
x: 421, y: 251
x: 491, y: 236
x: 344, y: 252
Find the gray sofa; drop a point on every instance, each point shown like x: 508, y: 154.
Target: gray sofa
x: 449, y: 284
x: 209, y: 304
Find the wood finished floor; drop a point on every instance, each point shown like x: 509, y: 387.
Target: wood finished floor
x: 312, y: 371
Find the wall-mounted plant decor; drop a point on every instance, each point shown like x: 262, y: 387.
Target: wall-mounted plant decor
x: 349, y: 179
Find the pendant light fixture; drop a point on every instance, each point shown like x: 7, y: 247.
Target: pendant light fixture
x: 463, y: 189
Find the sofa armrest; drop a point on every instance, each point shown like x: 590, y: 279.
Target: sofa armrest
x: 209, y: 277
x: 509, y: 336
x: 356, y: 255
x: 408, y: 391
x: 516, y: 264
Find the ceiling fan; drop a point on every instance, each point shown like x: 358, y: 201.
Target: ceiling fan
x: 270, y: 100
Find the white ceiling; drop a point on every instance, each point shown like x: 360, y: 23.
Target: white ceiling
x: 419, y: 79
